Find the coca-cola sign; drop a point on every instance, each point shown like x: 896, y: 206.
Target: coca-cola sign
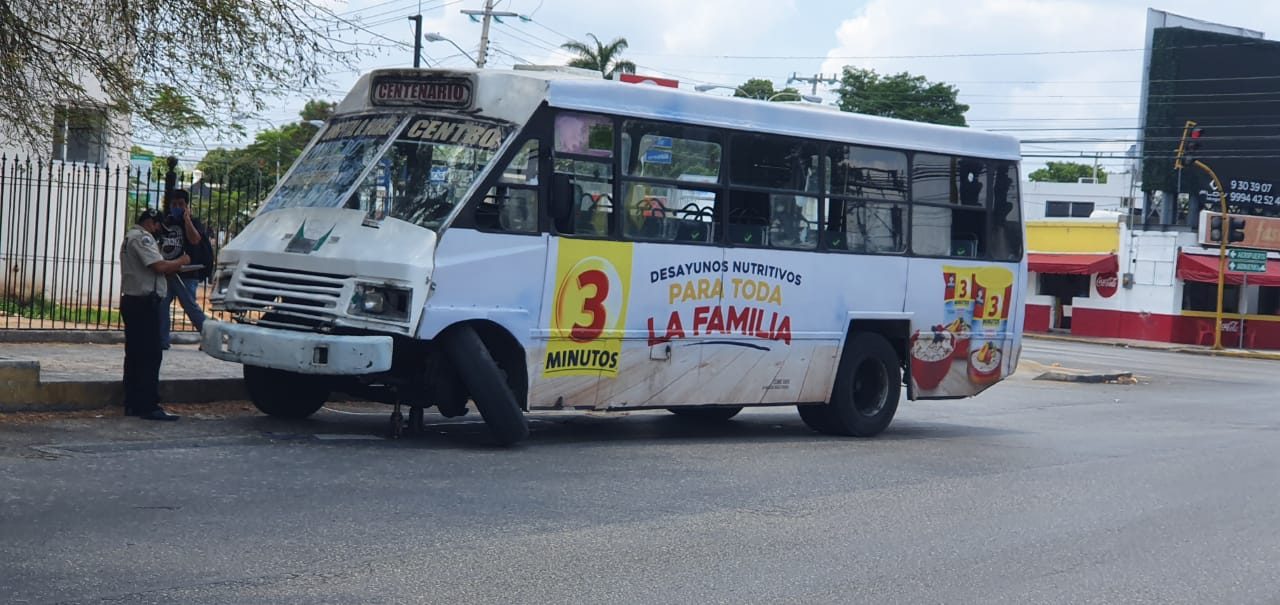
x: 1106, y: 284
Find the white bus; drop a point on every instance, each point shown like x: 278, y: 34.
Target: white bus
x: 530, y: 240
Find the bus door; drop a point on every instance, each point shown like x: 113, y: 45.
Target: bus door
x: 587, y: 275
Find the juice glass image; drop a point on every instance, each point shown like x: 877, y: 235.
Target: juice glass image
x: 931, y: 355
x: 984, y: 364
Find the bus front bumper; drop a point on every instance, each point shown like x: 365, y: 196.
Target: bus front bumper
x: 301, y: 352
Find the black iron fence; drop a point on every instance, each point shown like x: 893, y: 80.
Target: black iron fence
x: 61, y: 226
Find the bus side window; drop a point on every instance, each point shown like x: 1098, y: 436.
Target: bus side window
x: 949, y: 213
x: 512, y: 205
x: 869, y: 189
x: 584, y: 153
x: 668, y: 213
x: 1006, y: 240
x: 784, y: 217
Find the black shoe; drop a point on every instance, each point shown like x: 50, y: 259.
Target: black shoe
x: 158, y: 414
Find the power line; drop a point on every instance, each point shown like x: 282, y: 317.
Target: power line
x: 1031, y: 53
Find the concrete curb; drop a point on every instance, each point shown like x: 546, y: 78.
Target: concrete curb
x: 21, y: 390
x: 1239, y: 353
x: 1058, y: 373
x: 95, y: 337
x: 1114, y: 377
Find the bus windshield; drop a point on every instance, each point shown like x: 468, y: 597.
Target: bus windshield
x: 419, y: 178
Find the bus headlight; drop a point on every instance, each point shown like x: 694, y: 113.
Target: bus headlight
x: 384, y: 302
x: 374, y: 302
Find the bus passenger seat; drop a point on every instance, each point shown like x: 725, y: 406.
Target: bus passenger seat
x: 652, y: 228
x: 751, y: 235
x: 693, y: 231
x: 965, y: 246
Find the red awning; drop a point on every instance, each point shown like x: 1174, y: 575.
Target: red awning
x: 1072, y: 264
x: 1202, y: 268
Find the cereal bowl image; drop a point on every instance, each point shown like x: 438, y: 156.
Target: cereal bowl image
x: 931, y: 355
x: 984, y: 364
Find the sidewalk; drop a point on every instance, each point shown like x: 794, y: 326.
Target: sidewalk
x: 1159, y: 346
x: 59, y: 376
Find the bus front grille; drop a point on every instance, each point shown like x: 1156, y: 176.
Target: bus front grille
x: 300, y: 299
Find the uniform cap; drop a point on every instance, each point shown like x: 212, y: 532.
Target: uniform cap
x: 148, y: 213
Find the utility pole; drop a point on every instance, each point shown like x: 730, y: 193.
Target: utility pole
x: 487, y: 14
x: 417, y: 40
x: 814, y: 80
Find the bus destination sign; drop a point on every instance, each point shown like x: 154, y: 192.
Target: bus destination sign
x: 452, y: 93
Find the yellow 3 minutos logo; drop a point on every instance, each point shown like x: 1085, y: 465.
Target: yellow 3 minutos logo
x: 589, y: 300
x: 589, y: 310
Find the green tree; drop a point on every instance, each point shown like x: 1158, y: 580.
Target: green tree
x: 159, y: 164
x: 761, y: 88
x: 316, y: 109
x: 257, y: 166
x: 1066, y: 172
x: 901, y: 96
x: 603, y: 58
x: 173, y: 66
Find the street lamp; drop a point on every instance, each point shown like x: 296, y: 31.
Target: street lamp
x: 809, y: 98
x: 436, y: 37
x: 707, y: 87
x: 738, y: 89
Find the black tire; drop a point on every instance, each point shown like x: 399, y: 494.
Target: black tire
x: 487, y: 384
x: 710, y: 413
x: 865, y: 396
x: 285, y: 394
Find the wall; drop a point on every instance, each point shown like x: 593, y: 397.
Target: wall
x: 1073, y: 236
x: 1107, y: 197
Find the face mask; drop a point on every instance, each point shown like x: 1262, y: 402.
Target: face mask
x: 175, y: 212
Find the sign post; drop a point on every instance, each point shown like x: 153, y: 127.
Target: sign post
x: 1245, y: 307
x: 1222, y: 250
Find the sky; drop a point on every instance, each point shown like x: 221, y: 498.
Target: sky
x: 1059, y: 70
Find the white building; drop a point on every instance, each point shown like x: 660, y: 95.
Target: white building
x: 1097, y: 269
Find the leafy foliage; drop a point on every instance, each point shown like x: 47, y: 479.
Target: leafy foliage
x: 36, y: 306
x: 258, y: 165
x: 1065, y: 172
x: 174, y: 65
x: 603, y: 58
x: 901, y: 96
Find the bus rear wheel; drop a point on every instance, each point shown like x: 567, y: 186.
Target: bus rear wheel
x: 865, y: 396
x: 707, y: 412
x: 284, y: 394
x: 487, y: 383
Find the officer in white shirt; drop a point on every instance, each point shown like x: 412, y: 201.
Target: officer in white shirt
x: 143, y: 286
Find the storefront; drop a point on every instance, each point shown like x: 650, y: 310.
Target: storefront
x: 1065, y: 261
x: 1098, y: 278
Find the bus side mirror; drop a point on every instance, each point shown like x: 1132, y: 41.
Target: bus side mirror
x: 562, y: 202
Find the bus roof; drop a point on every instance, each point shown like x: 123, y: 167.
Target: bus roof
x: 496, y: 88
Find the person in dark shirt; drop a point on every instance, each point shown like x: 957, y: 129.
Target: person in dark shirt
x: 181, y: 234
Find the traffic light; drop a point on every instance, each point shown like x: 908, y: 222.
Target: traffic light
x: 1193, y: 145
x: 1235, y: 231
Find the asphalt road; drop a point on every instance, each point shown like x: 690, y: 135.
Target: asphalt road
x: 1163, y: 491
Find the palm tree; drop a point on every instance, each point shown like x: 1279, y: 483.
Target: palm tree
x: 602, y: 58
